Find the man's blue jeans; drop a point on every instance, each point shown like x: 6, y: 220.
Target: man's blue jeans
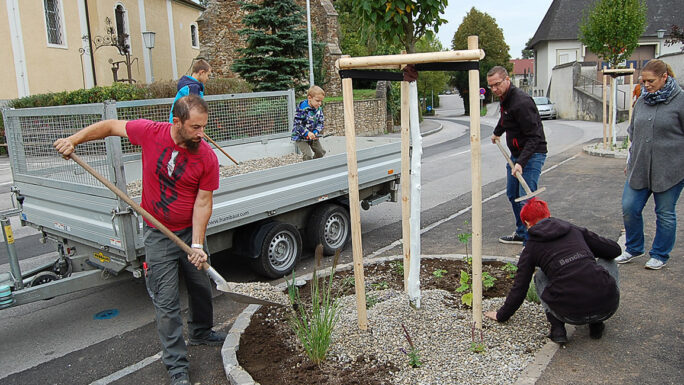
x: 633, y: 202
x: 514, y: 189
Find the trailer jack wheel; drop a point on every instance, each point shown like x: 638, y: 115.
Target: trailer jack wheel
x: 42, y: 278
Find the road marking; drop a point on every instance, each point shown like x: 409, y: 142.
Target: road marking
x: 144, y: 362
x: 455, y: 215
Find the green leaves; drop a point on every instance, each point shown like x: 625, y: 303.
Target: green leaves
x: 612, y: 28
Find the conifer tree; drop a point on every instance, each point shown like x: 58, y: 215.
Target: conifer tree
x: 275, y: 55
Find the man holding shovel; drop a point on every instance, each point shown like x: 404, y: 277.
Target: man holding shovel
x: 180, y: 173
x: 525, y: 138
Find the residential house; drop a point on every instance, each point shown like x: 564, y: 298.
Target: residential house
x: 523, y: 73
x: 57, y: 45
x: 556, y: 41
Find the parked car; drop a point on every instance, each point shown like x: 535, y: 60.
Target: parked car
x: 547, y: 109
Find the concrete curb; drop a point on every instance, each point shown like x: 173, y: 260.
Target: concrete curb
x: 433, y: 131
x: 238, y: 376
x: 598, y: 150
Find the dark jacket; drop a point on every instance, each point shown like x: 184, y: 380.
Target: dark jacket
x: 186, y: 85
x: 657, y: 134
x: 307, y: 119
x: 578, y: 286
x: 522, y: 124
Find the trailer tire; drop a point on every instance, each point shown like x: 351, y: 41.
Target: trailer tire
x: 329, y: 226
x: 281, y: 249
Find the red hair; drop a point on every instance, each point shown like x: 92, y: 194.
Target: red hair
x: 534, y: 211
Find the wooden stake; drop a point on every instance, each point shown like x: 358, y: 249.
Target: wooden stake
x: 405, y: 182
x: 412, y: 58
x: 631, y: 89
x: 605, y: 136
x: 612, y: 106
x: 476, y: 180
x: 354, y: 205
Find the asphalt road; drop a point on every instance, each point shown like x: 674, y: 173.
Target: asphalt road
x: 61, y: 341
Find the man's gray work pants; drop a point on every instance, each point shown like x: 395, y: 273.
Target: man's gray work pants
x: 164, y: 260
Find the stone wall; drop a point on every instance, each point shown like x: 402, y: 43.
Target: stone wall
x: 219, y: 39
x: 370, y: 116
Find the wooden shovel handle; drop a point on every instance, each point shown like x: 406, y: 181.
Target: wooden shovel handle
x: 158, y: 225
x: 510, y: 163
x: 220, y: 149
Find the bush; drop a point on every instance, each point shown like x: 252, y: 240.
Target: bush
x: 118, y: 92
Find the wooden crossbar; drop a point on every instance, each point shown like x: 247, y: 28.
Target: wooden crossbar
x: 413, y: 58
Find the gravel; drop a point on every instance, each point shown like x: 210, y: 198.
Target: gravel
x: 259, y: 290
x: 134, y: 188
x: 509, y: 346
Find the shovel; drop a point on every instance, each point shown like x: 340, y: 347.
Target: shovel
x: 221, y: 283
x: 529, y: 193
x: 220, y: 148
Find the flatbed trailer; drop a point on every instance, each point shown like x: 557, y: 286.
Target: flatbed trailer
x: 267, y: 216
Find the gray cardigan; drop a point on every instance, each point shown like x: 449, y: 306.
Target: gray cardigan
x: 656, y: 157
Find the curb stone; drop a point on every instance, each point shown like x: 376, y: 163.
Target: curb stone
x: 597, y: 150
x: 238, y: 376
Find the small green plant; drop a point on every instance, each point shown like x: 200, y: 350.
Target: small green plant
x: 487, y: 280
x: 625, y: 143
x: 483, y: 111
x: 348, y: 282
x: 413, y: 353
x: 439, y: 273
x: 511, y: 269
x: 314, y: 324
x: 398, y: 267
x: 532, y: 293
x: 371, y: 300
x: 476, y: 347
x: 382, y: 285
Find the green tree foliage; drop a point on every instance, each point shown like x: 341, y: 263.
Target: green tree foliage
x: 431, y: 82
x: 275, y: 55
x: 527, y: 53
x: 353, y: 41
x: 491, y: 40
x: 400, y: 21
x: 611, y: 28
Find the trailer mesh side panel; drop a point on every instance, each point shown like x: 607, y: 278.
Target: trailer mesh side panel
x: 39, y: 158
x: 232, y: 118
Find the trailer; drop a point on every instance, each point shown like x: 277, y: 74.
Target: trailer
x: 268, y: 216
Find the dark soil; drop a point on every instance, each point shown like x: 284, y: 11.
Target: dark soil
x: 268, y: 353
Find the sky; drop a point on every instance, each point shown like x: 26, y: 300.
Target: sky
x: 518, y: 19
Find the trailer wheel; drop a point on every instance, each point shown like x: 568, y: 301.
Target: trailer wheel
x: 280, y: 250
x: 329, y: 226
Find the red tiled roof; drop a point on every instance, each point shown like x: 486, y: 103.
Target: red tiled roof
x: 522, y: 66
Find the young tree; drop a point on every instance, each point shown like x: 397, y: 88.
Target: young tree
x: 275, y: 55
x: 611, y: 29
x: 431, y: 82
x: 491, y: 40
x: 400, y: 21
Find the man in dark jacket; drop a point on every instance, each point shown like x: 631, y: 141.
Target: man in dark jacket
x: 525, y: 138
x: 574, y: 286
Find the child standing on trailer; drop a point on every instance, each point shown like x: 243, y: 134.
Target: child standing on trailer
x: 308, y: 124
x: 193, y: 84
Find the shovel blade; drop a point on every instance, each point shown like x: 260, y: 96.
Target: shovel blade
x: 530, y: 195
x: 241, y: 298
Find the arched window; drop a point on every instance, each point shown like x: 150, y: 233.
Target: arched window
x: 194, y: 37
x: 122, y: 36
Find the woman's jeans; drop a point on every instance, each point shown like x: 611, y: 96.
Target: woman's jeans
x: 514, y: 189
x: 633, y: 202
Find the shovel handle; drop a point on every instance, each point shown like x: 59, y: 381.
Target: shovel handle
x: 220, y: 148
x: 510, y: 163
x: 155, y: 222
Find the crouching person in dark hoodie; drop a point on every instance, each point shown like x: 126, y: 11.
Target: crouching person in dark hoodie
x: 577, y: 277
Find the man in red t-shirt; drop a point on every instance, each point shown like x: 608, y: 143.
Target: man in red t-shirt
x: 180, y: 173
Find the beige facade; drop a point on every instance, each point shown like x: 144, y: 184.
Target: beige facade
x: 44, y: 49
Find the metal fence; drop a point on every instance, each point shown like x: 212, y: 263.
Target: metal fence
x: 30, y: 132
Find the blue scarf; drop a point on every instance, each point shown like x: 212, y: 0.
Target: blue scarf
x: 652, y: 98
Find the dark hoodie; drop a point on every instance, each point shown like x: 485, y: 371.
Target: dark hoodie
x: 578, y: 286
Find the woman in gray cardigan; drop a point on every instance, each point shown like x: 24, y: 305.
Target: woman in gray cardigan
x: 655, y: 165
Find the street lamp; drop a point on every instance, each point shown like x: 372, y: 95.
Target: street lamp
x: 660, y: 33
x: 148, y: 39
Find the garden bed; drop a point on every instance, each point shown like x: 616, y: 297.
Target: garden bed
x: 441, y: 330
